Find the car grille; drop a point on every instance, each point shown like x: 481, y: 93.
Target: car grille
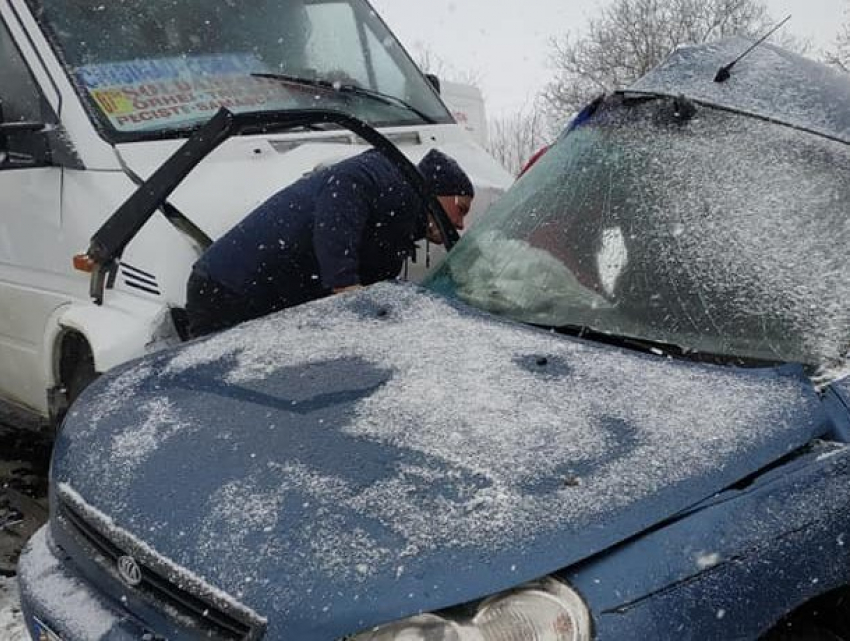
x: 212, y: 620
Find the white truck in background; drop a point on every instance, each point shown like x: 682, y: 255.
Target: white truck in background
x: 95, y: 96
x: 466, y: 103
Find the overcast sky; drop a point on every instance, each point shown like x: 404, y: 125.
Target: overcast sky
x: 506, y: 42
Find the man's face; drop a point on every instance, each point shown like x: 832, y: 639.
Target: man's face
x: 456, y: 208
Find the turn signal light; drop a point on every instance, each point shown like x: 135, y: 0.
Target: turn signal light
x: 84, y: 263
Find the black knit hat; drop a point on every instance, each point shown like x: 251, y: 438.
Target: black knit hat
x: 444, y: 176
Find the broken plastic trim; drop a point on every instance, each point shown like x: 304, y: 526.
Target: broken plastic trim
x: 109, y: 242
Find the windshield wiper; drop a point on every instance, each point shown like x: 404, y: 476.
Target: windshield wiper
x: 642, y: 345
x: 659, y: 348
x: 356, y: 90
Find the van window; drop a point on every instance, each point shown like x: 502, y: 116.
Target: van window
x: 21, y: 100
x: 19, y: 95
x: 337, y: 50
x: 150, y: 67
x: 389, y: 78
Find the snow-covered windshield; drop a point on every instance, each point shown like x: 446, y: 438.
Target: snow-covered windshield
x: 721, y: 233
x: 154, y: 66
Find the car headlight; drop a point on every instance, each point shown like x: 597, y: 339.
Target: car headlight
x: 545, y: 610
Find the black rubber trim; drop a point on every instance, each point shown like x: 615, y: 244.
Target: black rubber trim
x: 140, y: 272
x: 142, y: 287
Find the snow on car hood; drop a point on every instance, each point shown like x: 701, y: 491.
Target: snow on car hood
x: 372, y: 455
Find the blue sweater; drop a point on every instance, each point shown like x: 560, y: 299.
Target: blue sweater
x: 354, y: 222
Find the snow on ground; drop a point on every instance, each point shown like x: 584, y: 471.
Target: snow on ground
x: 11, y: 621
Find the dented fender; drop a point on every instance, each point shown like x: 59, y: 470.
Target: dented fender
x: 124, y: 328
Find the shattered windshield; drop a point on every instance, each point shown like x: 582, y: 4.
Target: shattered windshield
x: 717, y: 233
x: 155, y: 66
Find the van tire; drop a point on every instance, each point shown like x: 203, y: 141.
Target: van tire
x: 82, y: 375
x: 76, y: 372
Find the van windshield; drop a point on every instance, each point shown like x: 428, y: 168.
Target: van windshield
x: 156, y: 67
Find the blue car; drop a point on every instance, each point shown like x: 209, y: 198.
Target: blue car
x: 619, y: 409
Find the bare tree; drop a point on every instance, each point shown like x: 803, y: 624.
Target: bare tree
x: 514, y: 138
x: 630, y: 37
x: 839, y: 56
x: 430, y: 62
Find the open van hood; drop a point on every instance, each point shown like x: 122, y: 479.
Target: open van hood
x: 339, y: 464
x: 155, y: 191
x: 244, y: 171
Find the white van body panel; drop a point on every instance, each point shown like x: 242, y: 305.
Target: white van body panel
x: 29, y: 288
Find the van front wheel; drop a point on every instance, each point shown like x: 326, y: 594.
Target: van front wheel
x: 82, y: 375
x: 76, y: 372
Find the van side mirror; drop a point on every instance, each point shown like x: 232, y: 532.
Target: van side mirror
x: 22, y: 126
x: 35, y: 154
x: 434, y: 80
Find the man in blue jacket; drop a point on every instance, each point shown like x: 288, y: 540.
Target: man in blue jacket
x: 345, y: 226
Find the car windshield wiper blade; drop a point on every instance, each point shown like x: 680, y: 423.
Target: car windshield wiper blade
x: 660, y: 348
x: 643, y: 345
x: 341, y: 87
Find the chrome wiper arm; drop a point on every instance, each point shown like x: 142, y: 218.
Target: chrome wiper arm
x: 339, y: 87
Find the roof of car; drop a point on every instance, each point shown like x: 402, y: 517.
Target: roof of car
x: 769, y: 82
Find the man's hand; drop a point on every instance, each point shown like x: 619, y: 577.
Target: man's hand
x: 349, y: 288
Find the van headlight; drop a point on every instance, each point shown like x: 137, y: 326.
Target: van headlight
x: 545, y: 610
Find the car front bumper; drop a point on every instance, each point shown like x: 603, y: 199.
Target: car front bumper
x: 55, y: 596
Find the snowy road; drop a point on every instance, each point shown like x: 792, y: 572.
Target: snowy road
x: 24, y: 457
x: 11, y: 621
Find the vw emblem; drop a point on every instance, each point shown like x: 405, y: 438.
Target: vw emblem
x: 129, y: 571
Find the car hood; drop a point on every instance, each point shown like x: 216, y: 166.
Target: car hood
x: 372, y: 455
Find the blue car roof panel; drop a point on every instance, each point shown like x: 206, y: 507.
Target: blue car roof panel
x: 769, y: 82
